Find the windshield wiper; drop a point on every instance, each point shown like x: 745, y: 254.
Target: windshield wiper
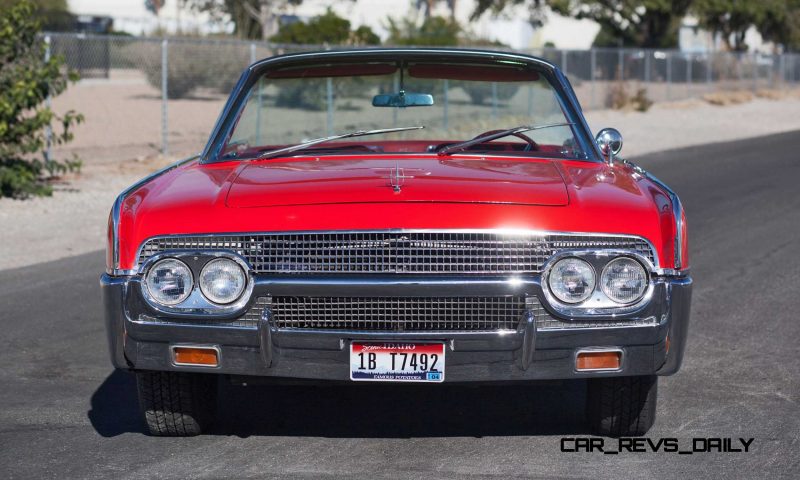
x: 317, y: 141
x: 494, y: 136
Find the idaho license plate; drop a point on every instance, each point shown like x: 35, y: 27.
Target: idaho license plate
x: 397, y: 362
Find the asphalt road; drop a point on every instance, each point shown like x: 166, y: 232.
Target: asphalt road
x: 65, y: 413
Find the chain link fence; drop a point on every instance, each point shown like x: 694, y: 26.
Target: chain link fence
x: 165, y: 94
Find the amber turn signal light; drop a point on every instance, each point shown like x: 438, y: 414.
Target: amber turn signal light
x: 600, y: 360
x: 204, y: 356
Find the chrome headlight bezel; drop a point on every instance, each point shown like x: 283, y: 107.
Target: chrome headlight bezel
x: 598, y: 303
x: 196, y: 304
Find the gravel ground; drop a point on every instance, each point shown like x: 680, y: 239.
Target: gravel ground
x: 73, y: 221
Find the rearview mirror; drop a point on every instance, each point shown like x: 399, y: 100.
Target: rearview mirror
x: 402, y: 99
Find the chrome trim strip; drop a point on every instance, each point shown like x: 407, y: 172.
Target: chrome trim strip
x: 215, y: 348
x: 598, y: 327
x: 116, y: 211
x: 209, y: 327
x: 600, y: 350
x: 500, y: 231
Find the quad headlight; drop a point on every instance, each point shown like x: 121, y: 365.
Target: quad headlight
x: 571, y: 280
x: 596, y: 282
x: 624, y: 280
x: 169, y: 281
x: 222, y: 281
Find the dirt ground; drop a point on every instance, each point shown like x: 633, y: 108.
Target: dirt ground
x: 121, y: 137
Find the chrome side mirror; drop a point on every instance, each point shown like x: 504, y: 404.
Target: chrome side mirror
x: 610, y: 142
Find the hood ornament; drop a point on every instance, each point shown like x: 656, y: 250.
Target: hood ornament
x: 397, y: 177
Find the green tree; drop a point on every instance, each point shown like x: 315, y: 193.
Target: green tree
x: 257, y: 19
x: 780, y: 23
x: 53, y: 14
x: 730, y: 19
x: 536, y: 9
x: 26, y: 79
x: 434, y: 31
x: 328, y: 28
x: 641, y: 23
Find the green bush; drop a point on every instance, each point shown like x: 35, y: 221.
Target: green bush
x: 434, y: 32
x: 26, y: 80
x: 195, y: 65
x: 328, y: 28
x: 478, y: 92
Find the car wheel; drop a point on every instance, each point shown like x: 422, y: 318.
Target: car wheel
x: 177, y: 404
x: 622, y: 406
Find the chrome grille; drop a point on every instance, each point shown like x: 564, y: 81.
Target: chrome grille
x: 249, y: 319
x: 545, y: 321
x: 394, y: 252
x: 399, y: 314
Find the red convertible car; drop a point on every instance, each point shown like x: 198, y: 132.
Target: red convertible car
x: 399, y: 215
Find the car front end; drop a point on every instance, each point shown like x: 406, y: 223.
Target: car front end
x: 406, y: 260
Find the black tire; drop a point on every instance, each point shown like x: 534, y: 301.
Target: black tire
x: 622, y: 406
x: 177, y: 404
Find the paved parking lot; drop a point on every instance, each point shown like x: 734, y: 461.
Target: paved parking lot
x: 65, y: 413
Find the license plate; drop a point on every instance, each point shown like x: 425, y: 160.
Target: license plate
x: 397, y: 362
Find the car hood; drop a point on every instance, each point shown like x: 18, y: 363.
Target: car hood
x: 195, y: 199
x: 422, y: 180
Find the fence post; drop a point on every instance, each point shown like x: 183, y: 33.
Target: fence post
x: 494, y: 100
x: 688, y: 76
x: 592, y: 68
x: 329, y: 98
x: 446, y: 104
x: 647, y: 54
x: 48, y: 131
x: 738, y: 70
x: 709, y: 66
x: 620, y: 61
x: 564, y: 62
x: 164, y: 97
x: 755, y: 71
x: 252, y: 53
x: 669, y: 75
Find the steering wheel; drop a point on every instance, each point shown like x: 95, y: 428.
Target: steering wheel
x: 531, y: 145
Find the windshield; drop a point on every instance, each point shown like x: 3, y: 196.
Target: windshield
x: 454, y: 102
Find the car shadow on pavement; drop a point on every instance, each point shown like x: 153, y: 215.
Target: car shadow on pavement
x: 114, y: 406
x: 367, y: 411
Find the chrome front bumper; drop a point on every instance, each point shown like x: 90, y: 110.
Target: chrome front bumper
x: 530, y: 352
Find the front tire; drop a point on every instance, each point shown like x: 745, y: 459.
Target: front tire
x: 177, y: 404
x: 622, y: 406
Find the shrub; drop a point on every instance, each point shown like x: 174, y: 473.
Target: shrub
x: 434, y: 32
x: 618, y: 98
x: 328, y: 28
x: 478, y: 92
x: 641, y: 102
x: 191, y: 66
x: 26, y: 80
